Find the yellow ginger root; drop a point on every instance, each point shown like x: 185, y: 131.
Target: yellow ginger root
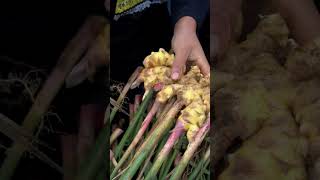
x: 193, y: 117
x: 152, y: 76
x: 306, y: 108
x: 260, y: 160
x: 303, y: 65
x: 188, y: 88
x: 206, y: 98
x: 167, y: 92
x: 275, y: 27
x: 160, y: 58
x: 190, y: 93
x: 303, y: 62
x: 157, y: 70
x: 197, y: 101
x: 270, y: 115
x: 270, y: 34
x: 192, y: 88
x: 196, y: 97
x: 270, y: 133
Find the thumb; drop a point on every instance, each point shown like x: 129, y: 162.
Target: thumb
x: 181, y: 56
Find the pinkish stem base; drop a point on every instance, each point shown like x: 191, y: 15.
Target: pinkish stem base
x: 137, y: 138
x: 174, y: 136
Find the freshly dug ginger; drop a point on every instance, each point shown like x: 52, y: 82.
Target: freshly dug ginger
x: 193, y: 88
x: 306, y: 108
x: 258, y: 159
x: 303, y: 63
x: 160, y: 58
x: 270, y: 133
x: 157, y: 70
x: 268, y: 37
x: 259, y: 105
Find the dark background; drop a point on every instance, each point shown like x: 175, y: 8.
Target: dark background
x: 35, y: 33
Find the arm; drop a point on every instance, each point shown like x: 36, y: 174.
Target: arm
x: 197, y: 9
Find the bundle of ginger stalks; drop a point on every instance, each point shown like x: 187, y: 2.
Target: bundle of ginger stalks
x: 267, y: 95
x: 166, y: 135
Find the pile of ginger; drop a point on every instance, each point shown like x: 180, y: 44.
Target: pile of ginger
x: 266, y: 92
x: 193, y: 89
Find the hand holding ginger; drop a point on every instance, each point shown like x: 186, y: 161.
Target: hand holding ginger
x: 186, y: 46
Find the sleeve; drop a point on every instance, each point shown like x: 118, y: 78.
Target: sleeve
x: 198, y: 9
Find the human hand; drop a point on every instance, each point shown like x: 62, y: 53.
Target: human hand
x: 186, y: 46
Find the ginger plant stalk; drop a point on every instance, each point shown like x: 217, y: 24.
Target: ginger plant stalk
x: 124, y: 92
x: 163, y: 155
x: 202, y: 164
x: 146, y: 163
x: 116, y: 133
x: 165, y: 169
x: 192, y: 92
x: 192, y: 148
x: 129, y: 131
x: 151, y: 141
x: 137, y: 138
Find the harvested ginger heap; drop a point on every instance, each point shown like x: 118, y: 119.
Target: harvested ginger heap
x: 193, y: 89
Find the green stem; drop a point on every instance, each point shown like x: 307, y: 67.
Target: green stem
x: 164, y: 153
x: 146, y: 163
x: 202, y: 164
x: 125, y: 90
x: 205, y: 170
x: 192, y: 148
x: 167, y: 165
x: 151, y: 141
x: 142, y: 108
x: 162, y: 143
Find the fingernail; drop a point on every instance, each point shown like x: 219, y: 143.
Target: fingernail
x: 175, y: 75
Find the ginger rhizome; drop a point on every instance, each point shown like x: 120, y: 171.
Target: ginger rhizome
x: 184, y: 102
x: 267, y: 96
x: 193, y: 89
